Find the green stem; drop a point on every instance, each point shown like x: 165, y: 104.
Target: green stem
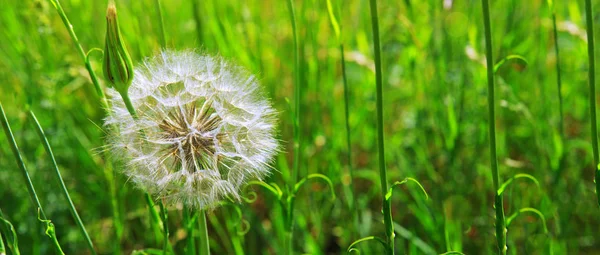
x: 297, y: 146
x: 2, y: 247
x: 387, y: 212
x: 592, y: 83
x: 498, y: 204
x: 74, y: 213
x: 204, y: 241
x: 88, y: 65
x: 165, y: 216
x: 129, y: 105
x: 154, y: 217
x: 349, y: 187
x: 163, y: 37
x: 198, y: 20
x: 558, y: 78
x: 32, y: 194
x: 297, y: 143
x: 188, y: 221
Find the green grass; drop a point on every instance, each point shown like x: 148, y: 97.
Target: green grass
x: 324, y: 79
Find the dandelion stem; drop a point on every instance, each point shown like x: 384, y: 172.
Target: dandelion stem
x: 592, y: 83
x: 387, y: 212
x: 32, y: 194
x: 498, y: 204
x: 163, y: 37
x: 204, y: 242
x: 74, y: 213
x: 188, y: 221
x: 164, y: 214
x: 88, y: 65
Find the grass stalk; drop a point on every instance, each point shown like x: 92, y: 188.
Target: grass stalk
x: 163, y: 37
x: 348, y: 187
x: 197, y: 20
x: 558, y: 78
x: 188, y: 221
x: 297, y: 142
x: 592, y: 83
x: 32, y: 194
x: 65, y: 192
x: 387, y: 212
x: 561, y: 124
x: 204, y: 241
x: 81, y: 52
x: 498, y: 203
x: 164, y: 214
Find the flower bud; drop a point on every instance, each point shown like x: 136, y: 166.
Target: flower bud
x: 118, y: 68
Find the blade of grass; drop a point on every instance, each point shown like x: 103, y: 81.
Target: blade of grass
x: 348, y: 187
x: 592, y: 83
x: 498, y: 204
x: 188, y: 221
x: 297, y: 142
x: 204, y: 241
x: 161, y: 23
x: 164, y: 214
x: 65, y: 192
x: 387, y: 212
x: 10, y: 234
x: 32, y: 194
x: 197, y: 20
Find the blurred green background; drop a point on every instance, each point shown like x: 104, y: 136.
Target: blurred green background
x: 435, y: 123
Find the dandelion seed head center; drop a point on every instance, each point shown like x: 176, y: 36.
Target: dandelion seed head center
x: 193, y: 129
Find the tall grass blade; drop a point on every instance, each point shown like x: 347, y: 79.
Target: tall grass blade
x: 32, y: 194
x: 65, y: 192
x: 592, y: 83
x: 387, y: 211
x: 498, y: 204
x: 204, y: 241
x: 297, y: 142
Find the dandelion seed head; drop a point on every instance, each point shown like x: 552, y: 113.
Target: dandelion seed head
x: 204, y: 129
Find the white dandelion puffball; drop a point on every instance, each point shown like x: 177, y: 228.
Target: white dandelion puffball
x: 203, y: 129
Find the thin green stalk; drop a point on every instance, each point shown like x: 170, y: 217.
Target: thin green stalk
x: 163, y: 37
x: 297, y: 142
x: 297, y: 146
x: 560, y: 99
x: 592, y: 83
x: 165, y: 216
x: 88, y: 65
x: 188, y: 221
x: 32, y: 194
x: 74, y: 213
x: 347, y: 185
x: 154, y: 217
x: 498, y: 204
x: 2, y: 248
x: 387, y: 212
x: 232, y: 222
x: 558, y: 77
x: 204, y: 242
x: 198, y: 20
x: 109, y: 174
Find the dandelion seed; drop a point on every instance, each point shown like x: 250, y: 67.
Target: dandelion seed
x: 203, y: 129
